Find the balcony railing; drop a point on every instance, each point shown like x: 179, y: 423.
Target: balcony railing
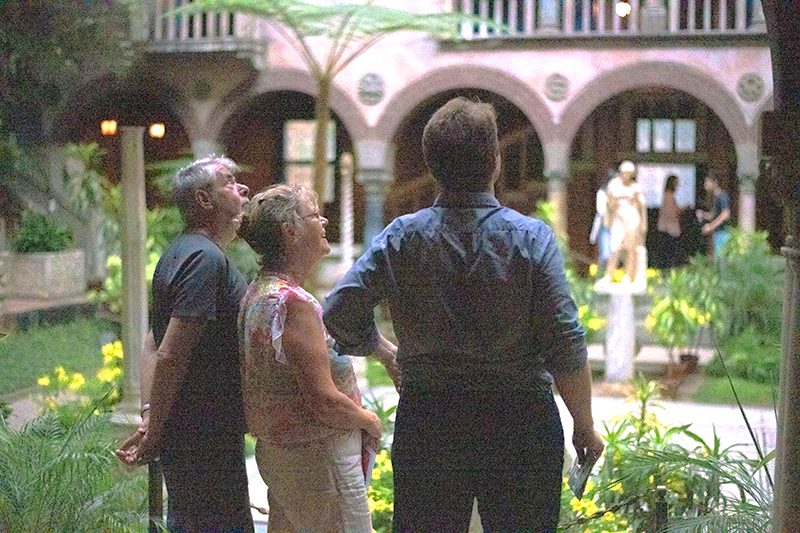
x: 158, y: 29
x: 546, y: 18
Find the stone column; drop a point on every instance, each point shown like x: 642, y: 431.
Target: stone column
x: 556, y: 170
x: 747, y: 202
x: 653, y: 18
x: 134, y: 254
x: 620, y: 343
x: 374, y: 175
x: 747, y: 174
x: 549, y: 16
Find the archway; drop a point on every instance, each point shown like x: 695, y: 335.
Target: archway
x: 665, y: 131
x: 262, y: 136
x: 521, y: 184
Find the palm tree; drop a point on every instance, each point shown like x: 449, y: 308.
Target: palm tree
x: 349, y: 30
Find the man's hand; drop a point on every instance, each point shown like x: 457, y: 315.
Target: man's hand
x: 141, y: 447
x: 393, y: 369
x: 127, y: 451
x: 587, y: 442
x: 707, y: 229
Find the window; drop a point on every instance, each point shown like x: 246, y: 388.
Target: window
x: 665, y: 135
x: 298, y: 155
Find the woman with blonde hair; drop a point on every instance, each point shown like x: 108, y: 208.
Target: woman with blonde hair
x: 301, y: 398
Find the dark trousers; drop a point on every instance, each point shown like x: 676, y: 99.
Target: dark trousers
x: 505, y: 448
x: 207, y: 487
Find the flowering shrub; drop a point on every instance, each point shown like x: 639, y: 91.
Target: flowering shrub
x: 380, y: 493
x: 62, y: 386
x: 684, y: 302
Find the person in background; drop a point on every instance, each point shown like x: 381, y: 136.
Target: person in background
x: 192, y: 416
x: 599, y: 233
x: 717, y: 221
x: 485, y: 323
x: 669, y: 226
x: 301, y: 397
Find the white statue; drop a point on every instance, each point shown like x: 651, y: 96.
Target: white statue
x: 626, y: 218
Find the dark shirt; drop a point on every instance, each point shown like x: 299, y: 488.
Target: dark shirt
x: 721, y: 202
x: 194, y: 279
x: 477, y: 293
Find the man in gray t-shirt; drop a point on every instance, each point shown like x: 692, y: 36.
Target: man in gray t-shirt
x: 192, y: 413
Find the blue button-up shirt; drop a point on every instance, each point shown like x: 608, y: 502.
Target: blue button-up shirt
x: 477, y: 293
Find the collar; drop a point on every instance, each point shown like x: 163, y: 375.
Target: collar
x: 466, y: 199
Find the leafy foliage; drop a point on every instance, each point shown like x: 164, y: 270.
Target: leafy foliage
x: 47, y: 49
x: 59, y: 474
x: 37, y: 233
x: 709, y: 487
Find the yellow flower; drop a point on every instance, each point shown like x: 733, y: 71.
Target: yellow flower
x: 650, y: 322
x: 76, y: 382
x: 593, y: 270
x: 596, y: 323
x: 616, y: 487
x: 617, y: 275
x: 109, y: 374
x: 651, y: 273
x: 61, y: 375
x: 43, y: 381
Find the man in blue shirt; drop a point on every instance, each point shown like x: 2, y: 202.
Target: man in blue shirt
x: 485, y: 324
x: 717, y: 220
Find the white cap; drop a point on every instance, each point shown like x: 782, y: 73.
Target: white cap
x: 627, y: 166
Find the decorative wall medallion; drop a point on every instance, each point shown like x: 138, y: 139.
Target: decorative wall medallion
x: 556, y: 87
x: 750, y: 87
x: 370, y: 89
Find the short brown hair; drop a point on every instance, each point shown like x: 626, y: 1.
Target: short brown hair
x: 460, y: 145
x: 265, y: 214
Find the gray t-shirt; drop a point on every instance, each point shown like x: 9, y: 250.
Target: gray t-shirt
x: 195, y: 279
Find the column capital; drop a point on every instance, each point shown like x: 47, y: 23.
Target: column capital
x: 371, y: 153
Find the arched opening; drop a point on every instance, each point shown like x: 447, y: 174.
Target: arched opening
x: 521, y: 184
x: 135, y: 106
x: 664, y: 131
x: 272, y: 139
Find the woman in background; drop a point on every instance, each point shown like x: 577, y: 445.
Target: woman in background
x: 669, y: 226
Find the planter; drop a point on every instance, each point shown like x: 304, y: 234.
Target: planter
x: 46, y: 275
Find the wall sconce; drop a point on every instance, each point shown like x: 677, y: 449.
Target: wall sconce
x: 156, y: 130
x: 108, y: 127
x: 623, y: 8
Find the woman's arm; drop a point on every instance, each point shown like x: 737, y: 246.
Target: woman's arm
x: 307, y: 356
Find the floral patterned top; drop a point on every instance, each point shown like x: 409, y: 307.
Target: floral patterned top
x: 273, y: 400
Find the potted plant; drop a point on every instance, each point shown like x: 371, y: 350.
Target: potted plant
x: 42, y: 265
x: 683, y: 304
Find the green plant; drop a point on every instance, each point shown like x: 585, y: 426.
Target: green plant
x: 751, y: 355
x: 36, y: 233
x: 66, y: 390
x: 380, y: 493
x: 684, y: 302
x: 642, y: 454
x: 59, y: 474
x: 73, y: 344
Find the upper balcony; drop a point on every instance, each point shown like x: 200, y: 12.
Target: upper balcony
x: 627, y: 22
x: 155, y: 28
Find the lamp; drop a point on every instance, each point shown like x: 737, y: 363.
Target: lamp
x: 156, y: 130
x: 108, y: 127
x: 623, y: 8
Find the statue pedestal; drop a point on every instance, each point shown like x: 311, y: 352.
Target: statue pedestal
x: 620, y: 330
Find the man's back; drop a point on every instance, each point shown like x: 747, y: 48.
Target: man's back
x: 475, y: 291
